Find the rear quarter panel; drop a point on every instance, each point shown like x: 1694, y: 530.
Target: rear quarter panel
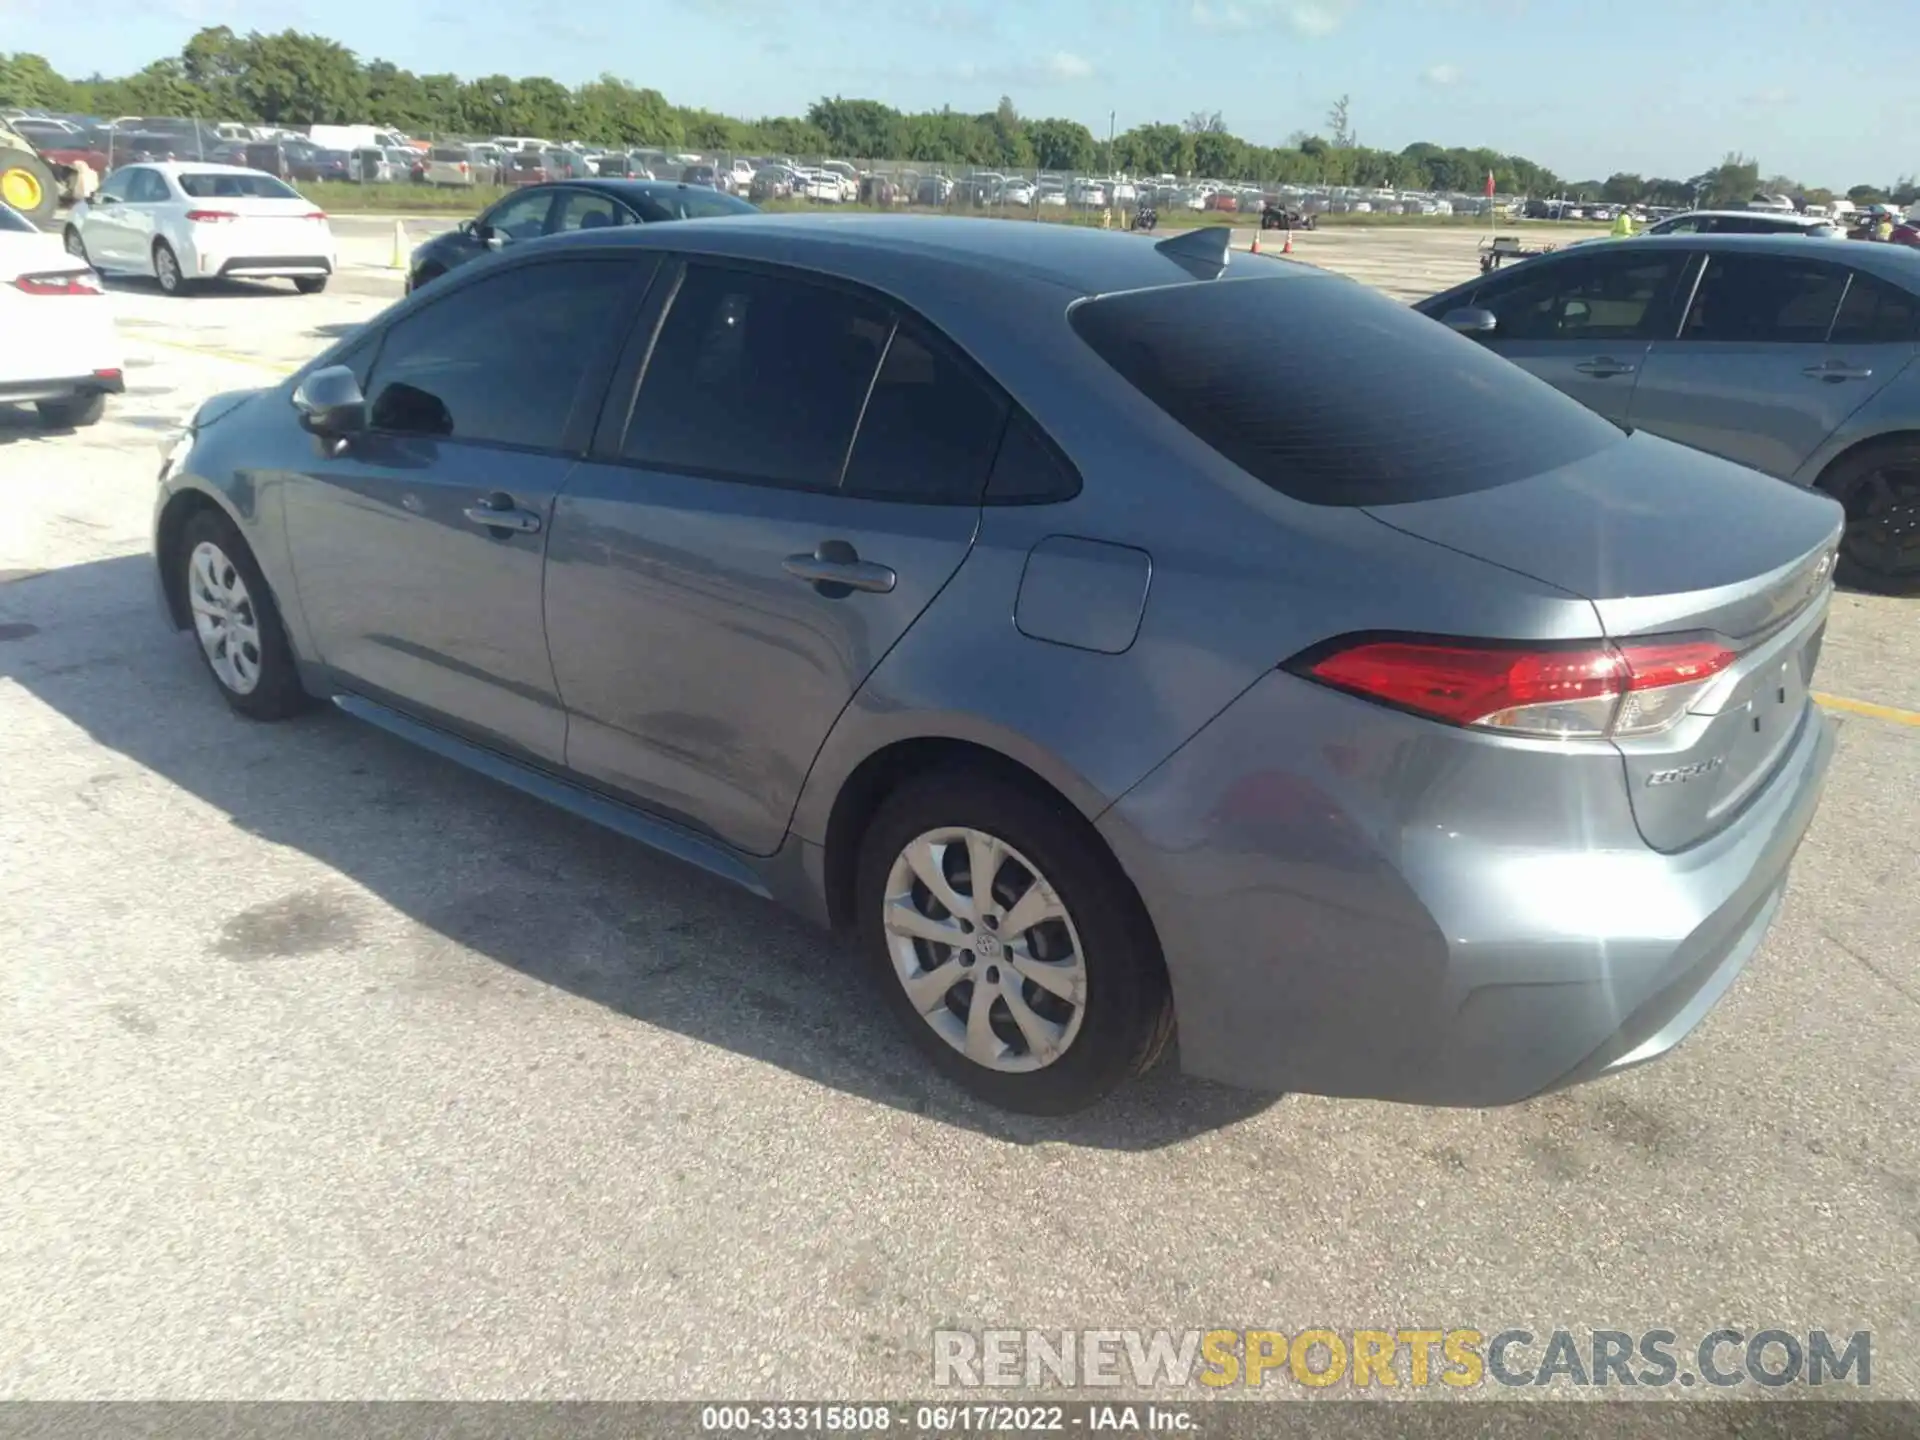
x: 1893, y: 410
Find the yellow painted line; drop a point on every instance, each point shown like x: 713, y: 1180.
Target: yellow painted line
x: 209, y: 353
x: 1869, y: 709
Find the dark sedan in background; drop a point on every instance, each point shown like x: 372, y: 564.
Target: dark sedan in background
x: 1798, y: 359
x: 554, y: 209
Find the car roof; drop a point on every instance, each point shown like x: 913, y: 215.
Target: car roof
x: 1792, y: 217
x: 923, y: 248
x: 1898, y: 263
x: 198, y: 167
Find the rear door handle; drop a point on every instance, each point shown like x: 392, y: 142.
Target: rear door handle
x: 836, y: 570
x: 1834, y: 371
x: 1604, y: 368
x: 498, y: 513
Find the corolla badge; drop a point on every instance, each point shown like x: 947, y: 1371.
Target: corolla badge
x: 1683, y: 773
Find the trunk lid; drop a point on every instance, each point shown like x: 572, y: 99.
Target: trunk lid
x: 1665, y: 540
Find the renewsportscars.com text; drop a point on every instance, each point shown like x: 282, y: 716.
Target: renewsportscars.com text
x: 1399, y: 1358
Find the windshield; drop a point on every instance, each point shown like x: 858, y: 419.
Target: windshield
x: 235, y: 187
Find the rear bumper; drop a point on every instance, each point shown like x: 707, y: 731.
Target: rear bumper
x: 1396, y: 911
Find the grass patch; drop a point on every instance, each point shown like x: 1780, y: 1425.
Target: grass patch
x: 404, y: 199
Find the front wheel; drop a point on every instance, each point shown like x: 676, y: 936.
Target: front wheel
x: 1880, y: 487
x: 1008, y: 943
x: 75, y: 245
x: 310, y: 284
x: 236, y: 621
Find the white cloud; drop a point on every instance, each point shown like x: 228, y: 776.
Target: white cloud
x: 1442, y: 74
x: 1312, y: 20
x: 1065, y: 65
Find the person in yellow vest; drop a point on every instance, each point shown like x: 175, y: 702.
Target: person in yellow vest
x: 1883, y: 227
x: 1623, y: 226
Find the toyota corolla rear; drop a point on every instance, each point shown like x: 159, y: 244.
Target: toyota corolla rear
x: 1514, y: 800
x: 57, y: 337
x: 242, y: 224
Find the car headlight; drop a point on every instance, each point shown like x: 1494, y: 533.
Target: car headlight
x: 176, y: 449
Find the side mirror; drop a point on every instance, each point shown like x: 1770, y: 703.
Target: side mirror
x: 106, y: 199
x: 1471, y: 321
x: 492, y: 238
x: 330, y: 404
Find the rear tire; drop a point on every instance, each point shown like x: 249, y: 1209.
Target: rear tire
x: 235, y: 621
x: 73, y: 412
x: 1880, y: 487
x: 310, y: 284
x: 992, y: 1026
x: 166, y: 269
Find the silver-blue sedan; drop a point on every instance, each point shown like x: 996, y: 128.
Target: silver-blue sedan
x: 1355, y: 706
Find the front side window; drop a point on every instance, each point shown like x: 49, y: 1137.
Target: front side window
x: 589, y: 210
x: 500, y: 361
x: 523, y: 217
x: 756, y: 376
x: 149, y: 188
x: 1597, y: 297
x: 1767, y: 299
x: 118, y: 186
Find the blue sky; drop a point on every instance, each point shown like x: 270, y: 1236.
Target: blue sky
x: 1582, y: 87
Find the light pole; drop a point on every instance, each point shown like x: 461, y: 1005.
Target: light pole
x: 1113, y: 175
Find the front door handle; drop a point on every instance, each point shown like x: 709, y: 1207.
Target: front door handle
x: 836, y: 570
x: 498, y: 513
x: 1604, y: 368
x: 1834, y: 371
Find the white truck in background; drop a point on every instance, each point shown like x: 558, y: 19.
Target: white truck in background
x: 355, y: 137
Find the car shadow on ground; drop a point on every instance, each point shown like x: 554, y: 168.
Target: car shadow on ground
x: 483, y: 871
x: 203, y: 289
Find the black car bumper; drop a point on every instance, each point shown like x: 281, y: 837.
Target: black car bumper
x: 62, y: 387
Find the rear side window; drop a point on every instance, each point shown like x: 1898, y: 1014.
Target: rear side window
x: 757, y: 377
x: 1029, y: 470
x: 929, y: 430
x: 1876, y: 313
x: 1334, y: 394
x: 500, y: 361
x: 1767, y: 299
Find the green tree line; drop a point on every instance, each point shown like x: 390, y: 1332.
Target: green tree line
x: 294, y: 79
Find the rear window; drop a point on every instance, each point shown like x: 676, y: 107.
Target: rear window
x: 12, y: 220
x: 1333, y: 394
x: 448, y: 154
x: 235, y: 187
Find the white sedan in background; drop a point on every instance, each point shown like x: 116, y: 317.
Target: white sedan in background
x: 58, y: 348
x: 182, y: 222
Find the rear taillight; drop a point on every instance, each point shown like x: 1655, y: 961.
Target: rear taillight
x: 1590, y: 692
x: 210, y: 217
x: 66, y: 282
x: 319, y: 215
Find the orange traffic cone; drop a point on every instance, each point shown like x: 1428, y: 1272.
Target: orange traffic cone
x: 1254, y: 248
x: 1287, y: 249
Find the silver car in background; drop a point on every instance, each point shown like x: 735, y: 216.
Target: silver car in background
x: 1797, y: 359
x: 1376, y: 718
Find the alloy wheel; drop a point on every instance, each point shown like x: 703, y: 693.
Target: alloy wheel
x: 224, y: 618
x: 166, y: 268
x: 985, y: 949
